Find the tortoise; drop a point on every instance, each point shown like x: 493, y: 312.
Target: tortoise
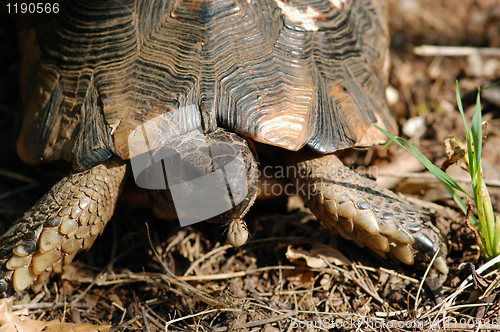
x: 185, y: 89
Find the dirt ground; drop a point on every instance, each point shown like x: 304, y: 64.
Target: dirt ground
x: 291, y: 274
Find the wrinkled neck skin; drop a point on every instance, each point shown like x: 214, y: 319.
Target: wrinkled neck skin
x: 206, y: 177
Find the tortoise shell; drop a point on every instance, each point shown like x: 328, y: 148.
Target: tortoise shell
x: 285, y: 73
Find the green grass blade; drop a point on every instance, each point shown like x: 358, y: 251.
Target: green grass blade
x: 487, y: 226
x: 450, y: 184
x: 489, y: 86
x: 483, y: 201
x: 444, y: 178
x: 477, y: 136
x: 470, y: 159
x: 497, y: 234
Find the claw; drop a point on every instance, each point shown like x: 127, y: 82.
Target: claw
x: 403, y: 253
x: 440, y: 265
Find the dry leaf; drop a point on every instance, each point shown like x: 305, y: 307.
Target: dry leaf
x: 10, y: 322
x: 318, y: 257
x: 116, y: 299
x: 455, y: 152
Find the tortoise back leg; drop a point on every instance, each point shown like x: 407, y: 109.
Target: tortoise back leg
x: 63, y: 222
x: 362, y: 211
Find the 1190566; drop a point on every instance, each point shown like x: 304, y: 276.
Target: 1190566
x: 33, y: 8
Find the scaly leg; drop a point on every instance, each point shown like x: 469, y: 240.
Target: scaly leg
x: 367, y: 214
x: 63, y: 222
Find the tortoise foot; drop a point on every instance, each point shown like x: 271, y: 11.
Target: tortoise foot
x: 369, y: 215
x: 63, y: 222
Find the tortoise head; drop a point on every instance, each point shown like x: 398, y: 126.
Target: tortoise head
x: 202, y: 177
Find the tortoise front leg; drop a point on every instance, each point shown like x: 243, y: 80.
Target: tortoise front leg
x: 364, y: 212
x: 63, y: 222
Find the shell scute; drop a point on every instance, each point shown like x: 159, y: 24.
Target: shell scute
x: 287, y: 74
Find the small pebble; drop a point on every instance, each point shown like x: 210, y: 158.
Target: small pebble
x: 414, y: 127
x: 392, y: 95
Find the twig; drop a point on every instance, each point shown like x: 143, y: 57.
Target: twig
x: 432, y: 50
x: 257, y: 323
x: 195, y: 315
x: 145, y: 318
x: 128, y: 323
x: 124, y: 311
x: 493, y: 285
x: 186, y: 288
x: 362, y: 283
x: 103, y: 272
x: 47, y: 305
x: 421, y: 285
x: 155, y: 318
x: 448, y: 302
x: 204, y: 257
x: 391, y: 272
